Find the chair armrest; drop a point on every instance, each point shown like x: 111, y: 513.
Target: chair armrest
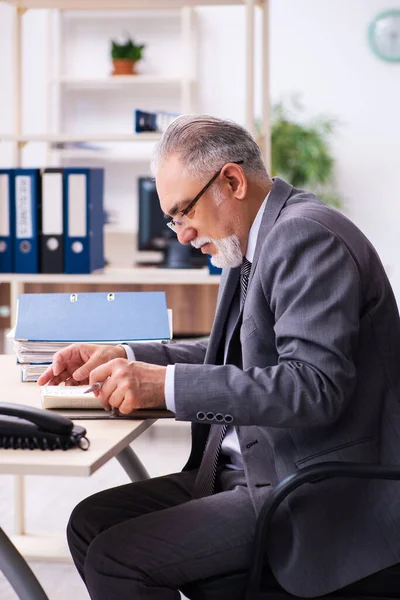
x: 310, y: 474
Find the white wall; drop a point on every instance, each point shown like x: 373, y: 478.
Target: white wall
x: 319, y: 50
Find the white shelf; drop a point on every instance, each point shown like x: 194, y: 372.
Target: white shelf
x: 121, y: 4
x: 166, y: 13
x: 104, y: 155
x: 81, y: 137
x: 132, y: 154
x: 139, y: 275
x: 117, y: 80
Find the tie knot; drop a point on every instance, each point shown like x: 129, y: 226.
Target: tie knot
x: 245, y: 268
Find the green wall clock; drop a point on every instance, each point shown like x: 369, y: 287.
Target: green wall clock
x: 384, y: 35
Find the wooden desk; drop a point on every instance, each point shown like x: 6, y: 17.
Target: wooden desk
x: 108, y: 439
x: 191, y: 293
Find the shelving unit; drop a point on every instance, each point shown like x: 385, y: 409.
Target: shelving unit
x: 67, y: 88
x: 186, y: 82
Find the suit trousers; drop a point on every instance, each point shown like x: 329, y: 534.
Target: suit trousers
x: 149, y: 539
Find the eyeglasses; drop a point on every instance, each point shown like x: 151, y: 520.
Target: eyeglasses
x: 173, y: 223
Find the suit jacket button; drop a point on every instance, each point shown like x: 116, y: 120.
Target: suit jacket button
x: 210, y: 416
x: 201, y: 416
x: 228, y: 418
x: 219, y: 417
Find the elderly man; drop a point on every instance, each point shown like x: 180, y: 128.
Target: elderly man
x: 301, y: 366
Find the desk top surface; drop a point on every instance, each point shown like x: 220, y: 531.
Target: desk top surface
x: 107, y: 438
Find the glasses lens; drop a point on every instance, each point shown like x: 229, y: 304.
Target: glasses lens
x: 171, y: 225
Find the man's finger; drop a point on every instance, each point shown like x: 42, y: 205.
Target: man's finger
x: 106, y: 392
x: 100, y: 373
x: 60, y: 378
x: 46, y: 376
x: 85, y: 370
x: 70, y: 381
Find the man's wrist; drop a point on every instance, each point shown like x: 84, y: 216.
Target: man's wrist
x: 121, y: 351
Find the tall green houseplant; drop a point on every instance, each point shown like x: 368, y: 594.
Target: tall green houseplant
x: 300, y: 153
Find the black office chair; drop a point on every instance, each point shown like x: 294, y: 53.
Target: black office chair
x: 259, y: 585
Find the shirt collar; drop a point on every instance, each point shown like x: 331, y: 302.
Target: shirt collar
x: 254, y: 229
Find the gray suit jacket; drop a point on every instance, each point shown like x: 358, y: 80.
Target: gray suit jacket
x: 313, y: 375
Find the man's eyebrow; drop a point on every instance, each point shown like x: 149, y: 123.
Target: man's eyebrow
x: 177, y: 208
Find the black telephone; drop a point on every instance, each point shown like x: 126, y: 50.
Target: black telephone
x: 22, y: 426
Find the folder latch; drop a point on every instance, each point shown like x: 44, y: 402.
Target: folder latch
x: 73, y: 297
x: 110, y: 296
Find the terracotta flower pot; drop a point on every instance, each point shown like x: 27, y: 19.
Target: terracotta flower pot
x: 124, y: 66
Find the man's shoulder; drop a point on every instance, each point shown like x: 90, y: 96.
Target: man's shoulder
x: 303, y: 205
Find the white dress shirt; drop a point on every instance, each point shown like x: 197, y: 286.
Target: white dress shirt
x: 230, y: 445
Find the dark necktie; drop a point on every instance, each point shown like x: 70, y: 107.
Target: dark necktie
x: 205, y: 479
x: 244, y: 279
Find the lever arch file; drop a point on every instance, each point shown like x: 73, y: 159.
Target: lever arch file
x: 52, y: 226
x: 84, y: 220
x: 6, y: 221
x: 92, y: 317
x: 27, y: 205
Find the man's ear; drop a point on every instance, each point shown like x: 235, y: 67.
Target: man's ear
x: 236, y: 180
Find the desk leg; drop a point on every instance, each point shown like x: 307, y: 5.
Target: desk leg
x: 132, y: 465
x: 17, y: 571
x: 19, y: 502
x: 17, y: 288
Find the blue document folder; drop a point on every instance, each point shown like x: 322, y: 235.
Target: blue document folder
x: 83, y: 219
x: 6, y: 221
x: 27, y: 205
x: 92, y: 317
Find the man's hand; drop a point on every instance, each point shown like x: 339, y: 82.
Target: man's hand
x: 74, y: 363
x: 129, y: 385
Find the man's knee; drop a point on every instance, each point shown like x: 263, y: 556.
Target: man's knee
x: 104, y: 558
x: 80, y: 523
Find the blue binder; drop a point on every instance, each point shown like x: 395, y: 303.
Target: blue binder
x: 6, y: 221
x: 92, y: 317
x: 83, y: 220
x: 27, y: 204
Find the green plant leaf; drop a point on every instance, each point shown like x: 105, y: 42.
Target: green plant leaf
x: 300, y: 152
x: 129, y: 50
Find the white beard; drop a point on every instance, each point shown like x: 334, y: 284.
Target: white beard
x: 228, y: 255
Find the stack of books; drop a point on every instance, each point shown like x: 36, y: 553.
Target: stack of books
x: 46, y: 323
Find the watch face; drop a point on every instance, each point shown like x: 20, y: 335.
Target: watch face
x: 384, y: 35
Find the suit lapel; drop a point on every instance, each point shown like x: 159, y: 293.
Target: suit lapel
x: 279, y: 194
x: 229, y: 285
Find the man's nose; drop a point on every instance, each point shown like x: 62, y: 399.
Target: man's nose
x: 186, y: 235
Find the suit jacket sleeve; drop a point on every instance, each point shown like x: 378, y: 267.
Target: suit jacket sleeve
x: 169, y: 354
x: 308, y: 280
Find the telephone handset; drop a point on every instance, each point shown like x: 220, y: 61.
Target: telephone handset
x: 23, y: 426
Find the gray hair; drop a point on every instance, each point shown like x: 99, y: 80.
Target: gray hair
x: 204, y: 144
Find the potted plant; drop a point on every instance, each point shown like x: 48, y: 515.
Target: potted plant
x: 125, y: 56
x: 300, y: 152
